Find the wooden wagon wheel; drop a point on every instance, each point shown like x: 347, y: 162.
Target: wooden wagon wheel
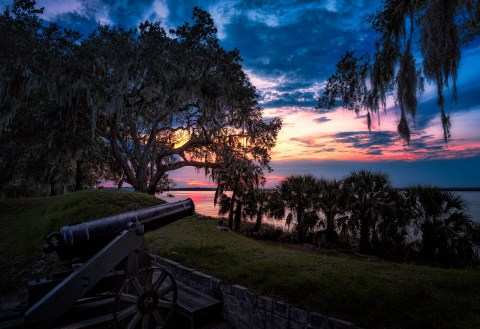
x: 146, y: 300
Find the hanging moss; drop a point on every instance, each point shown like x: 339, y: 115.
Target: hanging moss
x: 443, y: 25
x: 407, y: 84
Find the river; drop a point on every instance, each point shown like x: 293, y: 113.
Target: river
x: 204, y: 202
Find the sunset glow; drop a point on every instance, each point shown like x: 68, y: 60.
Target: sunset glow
x: 289, y: 58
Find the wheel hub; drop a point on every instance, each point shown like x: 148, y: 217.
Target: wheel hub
x: 148, y: 302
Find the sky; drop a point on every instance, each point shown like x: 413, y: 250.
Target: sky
x: 289, y: 49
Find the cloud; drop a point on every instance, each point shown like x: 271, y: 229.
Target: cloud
x: 322, y: 120
x: 365, y: 139
x: 307, y: 142
x: 158, y: 11
x: 375, y: 152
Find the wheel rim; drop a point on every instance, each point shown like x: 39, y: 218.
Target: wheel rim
x: 146, y: 300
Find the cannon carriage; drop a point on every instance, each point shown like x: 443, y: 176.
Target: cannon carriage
x: 110, y: 282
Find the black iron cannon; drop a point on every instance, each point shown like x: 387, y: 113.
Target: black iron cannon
x: 111, y: 282
x: 85, y: 238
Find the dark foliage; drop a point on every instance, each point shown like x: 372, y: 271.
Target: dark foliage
x: 443, y: 27
x: 422, y: 224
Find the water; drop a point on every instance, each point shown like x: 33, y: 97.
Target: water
x: 472, y: 199
x: 204, y: 202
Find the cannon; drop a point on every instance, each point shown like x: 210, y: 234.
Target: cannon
x: 110, y: 282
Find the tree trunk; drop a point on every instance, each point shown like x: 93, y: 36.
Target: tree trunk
x: 301, y: 226
x: 330, y: 234
x: 231, y: 211
x: 258, y: 221
x: 120, y: 182
x: 238, y: 217
x: 364, y: 235
x: 142, y: 178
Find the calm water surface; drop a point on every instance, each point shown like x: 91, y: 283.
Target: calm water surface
x: 204, y: 202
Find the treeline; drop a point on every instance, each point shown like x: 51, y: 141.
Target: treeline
x: 129, y: 105
x: 363, y: 210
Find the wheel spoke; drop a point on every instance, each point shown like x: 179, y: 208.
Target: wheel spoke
x: 126, y: 312
x: 158, y: 318
x: 166, y: 290
x: 128, y: 298
x: 138, y: 286
x: 159, y: 281
x: 153, y: 281
x: 149, y: 280
x: 133, y: 322
x: 145, y: 321
x: 165, y: 304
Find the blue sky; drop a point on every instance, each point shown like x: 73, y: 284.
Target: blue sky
x: 289, y: 48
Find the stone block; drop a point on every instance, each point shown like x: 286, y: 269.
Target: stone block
x: 257, y: 322
x: 230, y: 304
x: 339, y: 324
x: 226, y: 289
x: 244, y: 310
x: 167, y: 263
x: 275, y: 322
x: 184, y: 272
x: 297, y: 325
x: 232, y: 319
x: 251, y: 297
x: 258, y: 312
x: 265, y: 303
x: 215, y: 283
x: 239, y: 291
x: 298, y: 315
x: 318, y: 321
x: 202, y: 281
x: 281, y: 309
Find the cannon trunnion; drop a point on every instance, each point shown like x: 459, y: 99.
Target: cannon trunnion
x: 111, y: 283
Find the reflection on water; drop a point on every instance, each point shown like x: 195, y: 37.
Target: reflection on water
x: 203, y: 200
x: 204, y: 203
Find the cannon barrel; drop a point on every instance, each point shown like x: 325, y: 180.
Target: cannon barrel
x: 85, y: 238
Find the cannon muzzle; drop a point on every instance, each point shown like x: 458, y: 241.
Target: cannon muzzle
x: 86, y: 238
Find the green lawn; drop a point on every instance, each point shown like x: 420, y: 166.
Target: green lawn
x: 370, y: 293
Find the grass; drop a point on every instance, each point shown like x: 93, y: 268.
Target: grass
x: 370, y: 293
x: 25, y: 222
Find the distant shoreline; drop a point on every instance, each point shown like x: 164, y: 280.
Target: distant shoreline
x: 454, y: 189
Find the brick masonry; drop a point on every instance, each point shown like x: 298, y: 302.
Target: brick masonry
x: 244, y: 309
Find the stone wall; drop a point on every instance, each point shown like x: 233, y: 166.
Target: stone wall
x: 245, y: 309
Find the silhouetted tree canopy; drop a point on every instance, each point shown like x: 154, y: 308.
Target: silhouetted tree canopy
x: 438, y: 27
x: 159, y: 103
x: 363, y: 211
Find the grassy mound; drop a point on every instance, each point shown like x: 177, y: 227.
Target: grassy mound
x: 25, y: 223
x: 368, y: 292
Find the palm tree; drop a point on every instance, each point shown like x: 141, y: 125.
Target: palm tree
x: 447, y: 231
x: 389, y: 235
x: 332, y: 204
x: 255, y: 206
x: 243, y: 178
x: 300, y: 195
x: 367, y: 198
